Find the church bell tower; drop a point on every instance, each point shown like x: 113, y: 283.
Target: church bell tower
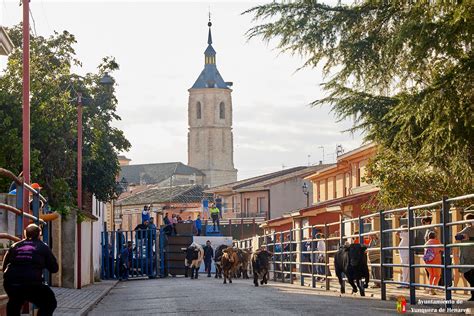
x: 210, y: 139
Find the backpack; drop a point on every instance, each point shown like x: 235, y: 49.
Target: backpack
x: 429, y: 255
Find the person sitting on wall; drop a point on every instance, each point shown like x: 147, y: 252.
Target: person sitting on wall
x: 141, y: 230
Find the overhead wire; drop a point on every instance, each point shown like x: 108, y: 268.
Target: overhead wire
x: 34, y: 23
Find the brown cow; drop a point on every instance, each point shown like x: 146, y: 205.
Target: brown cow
x: 230, y: 263
x: 244, y: 261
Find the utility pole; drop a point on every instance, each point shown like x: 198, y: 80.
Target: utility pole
x: 323, y: 152
x: 79, y: 185
x: 26, y: 103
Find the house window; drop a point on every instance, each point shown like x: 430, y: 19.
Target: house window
x: 358, y: 175
x: 198, y: 110
x: 246, y: 207
x: 261, y: 205
x: 222, y: 110
x: 318, y: 191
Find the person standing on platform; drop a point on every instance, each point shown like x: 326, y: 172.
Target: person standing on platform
x: 215, y: 216
x: 208, y: 256
x: 146, y: 214
x: 198, y: 225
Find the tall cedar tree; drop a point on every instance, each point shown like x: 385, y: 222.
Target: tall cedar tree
x: 404, y: 72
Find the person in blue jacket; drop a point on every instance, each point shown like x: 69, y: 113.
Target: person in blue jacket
x: 125, y: 261
x: 198, y: 225
x: 146, y: 214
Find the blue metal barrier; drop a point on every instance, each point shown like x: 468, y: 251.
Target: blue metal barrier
x: 142, y: 257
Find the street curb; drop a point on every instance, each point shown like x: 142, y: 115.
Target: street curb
x: 87, y: 309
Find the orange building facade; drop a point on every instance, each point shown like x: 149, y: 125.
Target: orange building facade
x: 340, y: 190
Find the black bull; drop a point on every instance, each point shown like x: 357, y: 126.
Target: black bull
x: 192, y: 253
x: 352, y: 261
x: 261, y: 266
x: 217, y: 260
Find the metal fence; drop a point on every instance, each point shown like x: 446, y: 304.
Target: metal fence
x: 296, y: 256
x: 142, y: 260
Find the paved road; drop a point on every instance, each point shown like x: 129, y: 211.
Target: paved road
x: 208, y: 296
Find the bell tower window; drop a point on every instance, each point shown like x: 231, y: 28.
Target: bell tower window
x: 222, y: 110
x: 198, y: 110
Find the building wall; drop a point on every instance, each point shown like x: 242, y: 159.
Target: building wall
x: 345, y: 179
x: 288, y: 196
x: 98, y: 210
x: 86, y: 246
x: 210, y: 139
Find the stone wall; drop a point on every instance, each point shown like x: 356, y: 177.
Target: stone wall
x: 210, y: 139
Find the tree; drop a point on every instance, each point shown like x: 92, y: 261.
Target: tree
x: 402, y: 70
x: 54, y: 121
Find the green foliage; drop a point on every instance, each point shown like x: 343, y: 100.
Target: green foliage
x: 404, y: 180
x: 402, y: 70
x: 54, y: 121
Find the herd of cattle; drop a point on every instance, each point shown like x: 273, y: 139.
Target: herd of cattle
x: 230, y: 262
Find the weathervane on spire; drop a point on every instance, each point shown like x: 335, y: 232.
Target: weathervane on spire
x: 209, y: 36
x: 209, y: 23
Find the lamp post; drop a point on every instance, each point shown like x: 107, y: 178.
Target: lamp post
x: 123, y: 185
x: 323, y: 152
x: 107, y: 81
x: 306, y: 192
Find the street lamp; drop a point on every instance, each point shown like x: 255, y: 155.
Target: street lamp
x: 107, y: 81
x: 323, y: 152
x: 123, y: 184
x: 306, y: 192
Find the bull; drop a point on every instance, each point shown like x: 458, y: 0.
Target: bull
x: 261, y: 266
x: 230, y: 263
x: 244, y: 261
x: 352, y: 261
x: 194, y: 257
x: 217, y: 260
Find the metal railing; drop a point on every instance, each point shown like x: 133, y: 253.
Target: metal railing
x: 297, y: 256
x: 23, y: 218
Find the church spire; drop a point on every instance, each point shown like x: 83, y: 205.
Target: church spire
x: 209, y: 53
x: 209, y: 37
x: 210, y: 76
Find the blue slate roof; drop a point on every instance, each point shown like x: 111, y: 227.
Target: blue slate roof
x: 210, y: 78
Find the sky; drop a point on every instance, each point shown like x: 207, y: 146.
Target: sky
x: 160, y: 49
